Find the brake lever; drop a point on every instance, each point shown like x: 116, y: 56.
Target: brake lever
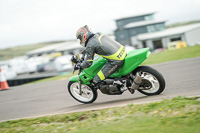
x: 78, y: 69
x: 74, y: 69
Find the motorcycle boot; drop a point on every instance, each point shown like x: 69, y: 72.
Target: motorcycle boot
x: 98, y: 84
x: 131, y: 90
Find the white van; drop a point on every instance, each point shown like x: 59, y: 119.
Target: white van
x: 8, y: 72
x: 63, y: 63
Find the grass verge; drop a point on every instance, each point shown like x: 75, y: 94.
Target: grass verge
x: 180, y: 115
x: 171, y: 55
x: 10, y: 53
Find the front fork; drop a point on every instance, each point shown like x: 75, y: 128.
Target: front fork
x: 80, y: 89
x: 79, y: 81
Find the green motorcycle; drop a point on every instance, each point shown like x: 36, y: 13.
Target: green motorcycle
x: 130, y: 77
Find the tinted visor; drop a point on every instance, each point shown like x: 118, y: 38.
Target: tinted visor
x: 79, y: 39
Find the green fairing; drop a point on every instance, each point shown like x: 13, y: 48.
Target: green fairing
x: 132, y: 61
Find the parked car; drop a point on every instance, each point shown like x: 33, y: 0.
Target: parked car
x: 50, y: 66
x: 176, y: 45
x: 33, y: 62
x: 8, y: 72
x: 19, y: 65
x: 63, y: 63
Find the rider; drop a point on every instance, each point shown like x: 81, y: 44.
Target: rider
x: 104, y: 46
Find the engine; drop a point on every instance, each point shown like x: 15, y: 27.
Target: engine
x: 113, y: 86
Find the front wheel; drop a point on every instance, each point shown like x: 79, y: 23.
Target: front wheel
x: 153, y: 82
x: 89, y: 94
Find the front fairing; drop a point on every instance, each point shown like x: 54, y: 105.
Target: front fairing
x: 88, y: 74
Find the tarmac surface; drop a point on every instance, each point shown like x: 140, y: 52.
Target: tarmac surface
x: 182, y: 79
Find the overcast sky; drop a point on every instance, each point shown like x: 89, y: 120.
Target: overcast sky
x: 33, y: 21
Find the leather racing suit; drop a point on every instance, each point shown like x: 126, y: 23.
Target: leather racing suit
x: 108, y: 48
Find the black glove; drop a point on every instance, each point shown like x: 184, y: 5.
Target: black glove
x: 77, y: 66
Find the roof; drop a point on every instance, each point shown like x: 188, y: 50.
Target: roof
x: 70, y: 46
x: 55, y: 47
x: 143, y: 23
x: 136, y: 15
x: 46, y: 49
x: 168, y: 32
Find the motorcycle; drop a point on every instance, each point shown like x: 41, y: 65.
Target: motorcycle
x: 131, y: 76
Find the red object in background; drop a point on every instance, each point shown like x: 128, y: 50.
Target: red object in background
x: 3, y: 85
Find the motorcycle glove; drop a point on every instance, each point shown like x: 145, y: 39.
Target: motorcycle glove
x: 77, y: 66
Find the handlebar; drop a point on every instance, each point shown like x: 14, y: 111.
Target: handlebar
x: 78, y: 61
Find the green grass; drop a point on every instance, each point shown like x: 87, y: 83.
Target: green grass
x: 10, y: 53
x: 180, y: 115
x: 171, y: 55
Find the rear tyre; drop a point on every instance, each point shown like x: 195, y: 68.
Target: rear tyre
x: 153, y: 82
x: 89, y: 94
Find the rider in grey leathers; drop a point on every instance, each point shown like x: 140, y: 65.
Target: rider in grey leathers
x: 104, y: 46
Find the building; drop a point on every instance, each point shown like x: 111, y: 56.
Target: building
x: 69, y: 47
x: 188, y: 33
x: 143, y: 31
x: 130, y: 27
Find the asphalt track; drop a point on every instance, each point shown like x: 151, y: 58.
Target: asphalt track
x: 32, y: 100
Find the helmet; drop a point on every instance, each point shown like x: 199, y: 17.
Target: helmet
x: 83, y: 34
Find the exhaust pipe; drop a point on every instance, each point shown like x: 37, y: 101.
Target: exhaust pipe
x: 137, y: 81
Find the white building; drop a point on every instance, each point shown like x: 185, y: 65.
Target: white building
x: 65, y: 48
x: 189, y: 33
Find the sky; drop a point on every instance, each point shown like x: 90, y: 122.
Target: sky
x: 24, y: 22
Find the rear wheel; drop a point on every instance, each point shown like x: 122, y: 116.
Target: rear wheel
x: 153, y: 82
x: 89, y: 94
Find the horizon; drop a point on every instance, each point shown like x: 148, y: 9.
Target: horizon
x: 60, y: 41
x: 32, y: 22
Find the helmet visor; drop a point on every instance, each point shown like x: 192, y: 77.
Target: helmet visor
x: 79, y: 41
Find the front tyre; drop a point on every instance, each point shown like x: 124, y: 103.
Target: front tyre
x: 153, y: 82
x: 89, y: 94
